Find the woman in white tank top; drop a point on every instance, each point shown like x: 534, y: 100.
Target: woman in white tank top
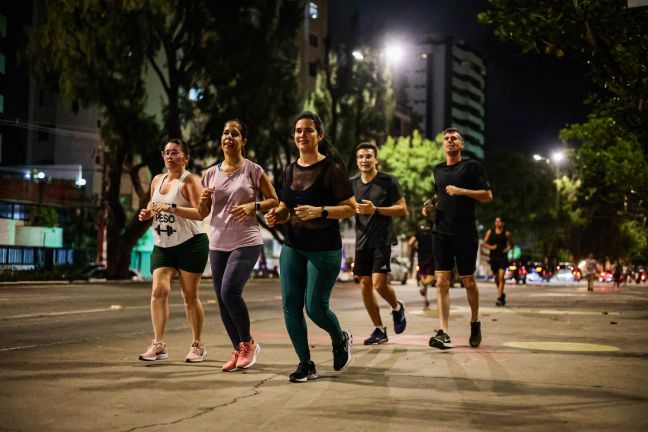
x: 181, y: 246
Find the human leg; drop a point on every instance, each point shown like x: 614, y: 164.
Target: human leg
x: 293, y: 292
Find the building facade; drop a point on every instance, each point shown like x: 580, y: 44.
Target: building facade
x: 445, y: 82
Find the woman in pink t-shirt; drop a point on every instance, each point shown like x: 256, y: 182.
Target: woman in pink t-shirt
x: 232, y: 189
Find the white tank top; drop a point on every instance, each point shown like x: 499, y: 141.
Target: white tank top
x: 170, y: 229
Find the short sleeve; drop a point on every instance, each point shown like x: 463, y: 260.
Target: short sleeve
x: 206, y: 178
x: 340, y: 183
x: 395, y: 191
x: 480, y: 181
x: 255, y: 174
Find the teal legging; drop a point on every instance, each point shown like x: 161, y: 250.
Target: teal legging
x: 308, y: 278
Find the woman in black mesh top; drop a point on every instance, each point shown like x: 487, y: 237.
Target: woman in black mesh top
x: 316, y: 193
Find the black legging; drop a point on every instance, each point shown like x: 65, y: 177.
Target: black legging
x: 230, y: 272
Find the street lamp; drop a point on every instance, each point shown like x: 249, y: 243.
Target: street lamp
x: 558, y: 156
x: 357, y: 55
x: 394, y: 52
x: 540, y: 158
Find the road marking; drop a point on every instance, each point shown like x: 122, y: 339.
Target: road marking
x: 75, y: 312
x: 561, y: 346
x: 552, y: 294
x: 31, y: 346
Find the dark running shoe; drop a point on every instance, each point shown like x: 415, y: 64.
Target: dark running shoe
x: 305, y: 371
x: 441, y: 340
x: 501, y: 301
x: 475, y: 334
x: 399, y: 319
x: 377, y: 337
x: 342, y: 352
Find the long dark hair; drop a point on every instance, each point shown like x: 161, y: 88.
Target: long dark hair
x: 325, y: 146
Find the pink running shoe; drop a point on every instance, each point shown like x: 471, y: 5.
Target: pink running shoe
x: 230, y: 365
x: 197, y: 353
x: 247, y: 354
x: 156, y: 351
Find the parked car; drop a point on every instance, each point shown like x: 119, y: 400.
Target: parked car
x: 517, y: 272
x: 399, y: 271
x: 100, y: 273
x: 640, y: 274
x: 567, y: 272
x: 537, y: 272
x: 606, y: 276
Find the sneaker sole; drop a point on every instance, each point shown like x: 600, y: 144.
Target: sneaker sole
x: 435, y: 343
x: 256, y: 351
x: 230, y: 370
x: 380, y: 342
x: 204, y: 356
x: 303, y: 380
x: 157, y: 357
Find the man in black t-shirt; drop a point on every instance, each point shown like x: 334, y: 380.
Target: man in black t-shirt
x: 379, y: 198
x: 458, y: 184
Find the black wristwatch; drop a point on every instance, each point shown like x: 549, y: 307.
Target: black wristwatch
x: 324, y: 212
x: 257, y: 205
x: 174, y: 206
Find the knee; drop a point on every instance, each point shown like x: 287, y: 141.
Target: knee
x: 190, y: 298
x: 315, y: 310
x: 443, y: 284
x: 160, y: 292
x: 469, y: 284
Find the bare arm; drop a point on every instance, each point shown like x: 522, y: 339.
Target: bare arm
x: 399, y: 208
x: 191, y: 190
x: 147, y: 213
x: 481, y: 195
x: 271, y: 199
x: 509, y: 240
x: 341, y: 210
x: 486, y: 239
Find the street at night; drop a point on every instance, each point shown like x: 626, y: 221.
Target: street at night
x: 556, y: 357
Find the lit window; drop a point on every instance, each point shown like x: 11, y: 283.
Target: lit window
x: 313, y: 10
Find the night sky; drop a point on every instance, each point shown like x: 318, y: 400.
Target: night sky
x: 530, y: 97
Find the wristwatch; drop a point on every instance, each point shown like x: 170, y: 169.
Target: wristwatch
x: 257, y: 205
x: 377, y: 211
x: 174, y: 206
x: 324, y: 212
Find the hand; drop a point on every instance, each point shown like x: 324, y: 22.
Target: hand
x: 453, y: 190
x: 365, y: 207
x: 306, y: 212
x: 161, y: 207
x: 145, y: 214
x: 243, y: 211
x: 270, y: 218
x: 206, y: 197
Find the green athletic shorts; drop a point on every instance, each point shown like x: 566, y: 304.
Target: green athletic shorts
x: 190, y: 256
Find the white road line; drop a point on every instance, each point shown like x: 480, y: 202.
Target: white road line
x: 32, y: 346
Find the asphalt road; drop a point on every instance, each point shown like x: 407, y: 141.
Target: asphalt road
x: 557, y: 357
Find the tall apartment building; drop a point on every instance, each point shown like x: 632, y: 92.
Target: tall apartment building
x: 311, y: 38
x: 446, y: 87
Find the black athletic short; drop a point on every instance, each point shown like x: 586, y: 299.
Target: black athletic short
x: 372, y: 260
x: 463, y: 249
x: 498, y: 263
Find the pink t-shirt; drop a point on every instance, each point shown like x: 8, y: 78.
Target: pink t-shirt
x: 238, y: 187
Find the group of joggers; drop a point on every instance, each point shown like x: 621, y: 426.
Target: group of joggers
x: 315, y: 194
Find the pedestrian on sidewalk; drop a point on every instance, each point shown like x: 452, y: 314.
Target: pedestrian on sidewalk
x: 458, y: 184
x: 233, y: 188
x: 499, y: 241
x: 180, y: 247
x: 590, y: 271
x: 379, y: 198
x: 423, y: 242
x: 315, y: 194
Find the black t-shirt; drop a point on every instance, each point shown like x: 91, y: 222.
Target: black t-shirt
x: 455, y: 215
x: 424, y: 248
x: 500, y: 241
x: 376, y: 230
x: 324, y: 183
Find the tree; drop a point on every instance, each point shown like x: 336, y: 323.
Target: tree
x: 607, y: 38
x: 411, y: 160
x: 354, y: 95
x: 613, y: 176
x: 99, y: 54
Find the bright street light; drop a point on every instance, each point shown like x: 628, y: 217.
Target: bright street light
x: 558, y: 156
x: 357, y: 55
x: 394, y: 52
x: 537, y: 157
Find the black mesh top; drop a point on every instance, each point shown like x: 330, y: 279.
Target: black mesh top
x: 324, y: 183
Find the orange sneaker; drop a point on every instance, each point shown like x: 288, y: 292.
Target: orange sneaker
x: 230, y: 365
x: 247, y: 354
